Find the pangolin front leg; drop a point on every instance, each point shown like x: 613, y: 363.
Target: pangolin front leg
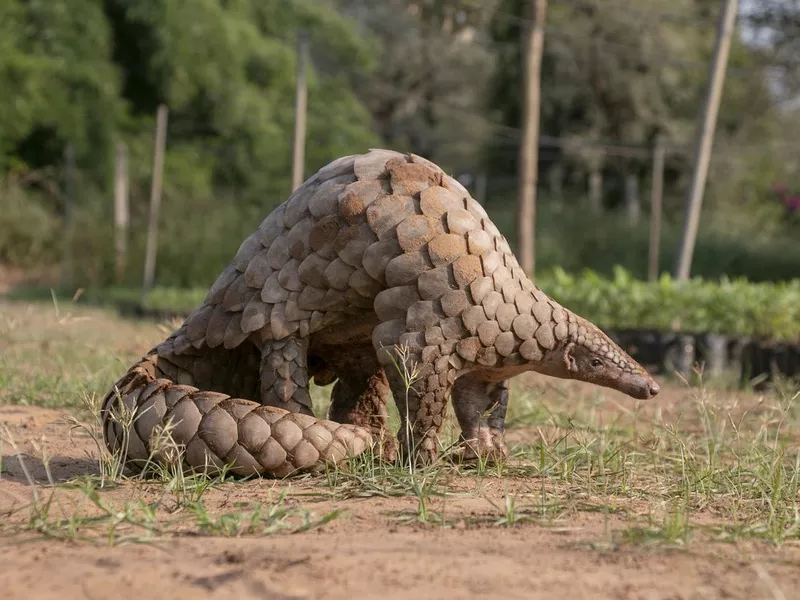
x: 420, y: 392
x: 480, y: 407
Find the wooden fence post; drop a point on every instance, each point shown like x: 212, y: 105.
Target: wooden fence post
x: 121, y: 211
x: 155, y: 199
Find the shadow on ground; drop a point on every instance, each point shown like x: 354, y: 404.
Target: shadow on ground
x: 62, y: 468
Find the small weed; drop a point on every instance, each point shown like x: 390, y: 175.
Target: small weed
x: 257, y: 519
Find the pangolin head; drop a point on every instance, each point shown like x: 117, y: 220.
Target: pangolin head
x: 590, y: 355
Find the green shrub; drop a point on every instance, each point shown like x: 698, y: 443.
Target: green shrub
x: 731, y: 306
x: 570, y: 237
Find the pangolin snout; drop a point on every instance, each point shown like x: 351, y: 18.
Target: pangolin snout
x: 641, y: 387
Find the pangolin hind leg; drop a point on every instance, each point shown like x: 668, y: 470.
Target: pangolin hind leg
x: 362, y: 399
x: 480, y: 407
x: 284, y: 375
x: 360, y: 393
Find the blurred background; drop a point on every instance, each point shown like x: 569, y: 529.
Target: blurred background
x: 622, y: 87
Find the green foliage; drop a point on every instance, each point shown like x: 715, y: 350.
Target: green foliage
x: 734, y: 307
x: 440, y: 77
x: 93, y: 73
x: 57, y: 83
x: 574, y: 239
x: 435, y: 60
x: 27, y: 229
x: 615, y: 75
x: 228, y: 79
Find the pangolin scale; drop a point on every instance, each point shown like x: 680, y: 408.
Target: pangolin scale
x: 379, y: 266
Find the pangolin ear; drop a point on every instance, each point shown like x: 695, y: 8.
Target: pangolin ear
x: 569, y: 358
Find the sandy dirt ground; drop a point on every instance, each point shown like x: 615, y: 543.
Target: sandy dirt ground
x: 365, y: 553
x: 377, y: 546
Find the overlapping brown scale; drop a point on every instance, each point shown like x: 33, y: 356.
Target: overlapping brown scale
x: 415, y: 231
x: 410, y: 178
x: 372, y: 165
x: 238, y: 294
x: 216, y: 430
x: 289, y: 278
x: 293, y: 312
x: 356, y: 197
x: 271, y: 227
x: 217, y: 290
x: 404, y: 269
x: 296, y: 207
x: 491, y: 302
x: 255, y: 315
x: 468, y: 348
x: 280, y: 326
x: 234, y: 332
x: 257, y: 270
x: 197, y: 323
x: 454, y: 302
x: 297, y: 239
x: 312, y: 271
x: 542, y: 312
x: 273, y: 292
x: 337, y: 168
x: 437, y: 201
x: 467, y: 269
x: 459, y: 190
x: 247, y: 250
x: 414, y: 341
x: 278, y: 252
x: 352, y: 241
x: 364, y: 285
x: 377, y: 256
x: 414, y: 158
x: 387, y: 212
x: 446, y: 248
x: 422, y: 314
x: 531, y: 350
x: 322, y: 202
x: 217, y: 323
x: 385, y: 336
x: 461, y: 221
x: 545, y: 336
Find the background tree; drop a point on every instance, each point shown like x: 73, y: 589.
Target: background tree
x: 437, y: 77
x: 434, y: 65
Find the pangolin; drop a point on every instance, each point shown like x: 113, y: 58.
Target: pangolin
x: 380, y: 273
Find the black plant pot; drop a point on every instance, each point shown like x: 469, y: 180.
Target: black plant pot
x: 712, y: 353
x: 794, y: 360
x: 738, y: 349
x: 680, y: 353
x: 762, y: 360
x: 644, y: 345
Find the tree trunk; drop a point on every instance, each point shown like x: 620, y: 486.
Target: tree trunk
x: 533, y: 42
x: 632, y: 203
x: 596, y: 190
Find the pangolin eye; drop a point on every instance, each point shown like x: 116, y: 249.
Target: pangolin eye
x: 596, y: 363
